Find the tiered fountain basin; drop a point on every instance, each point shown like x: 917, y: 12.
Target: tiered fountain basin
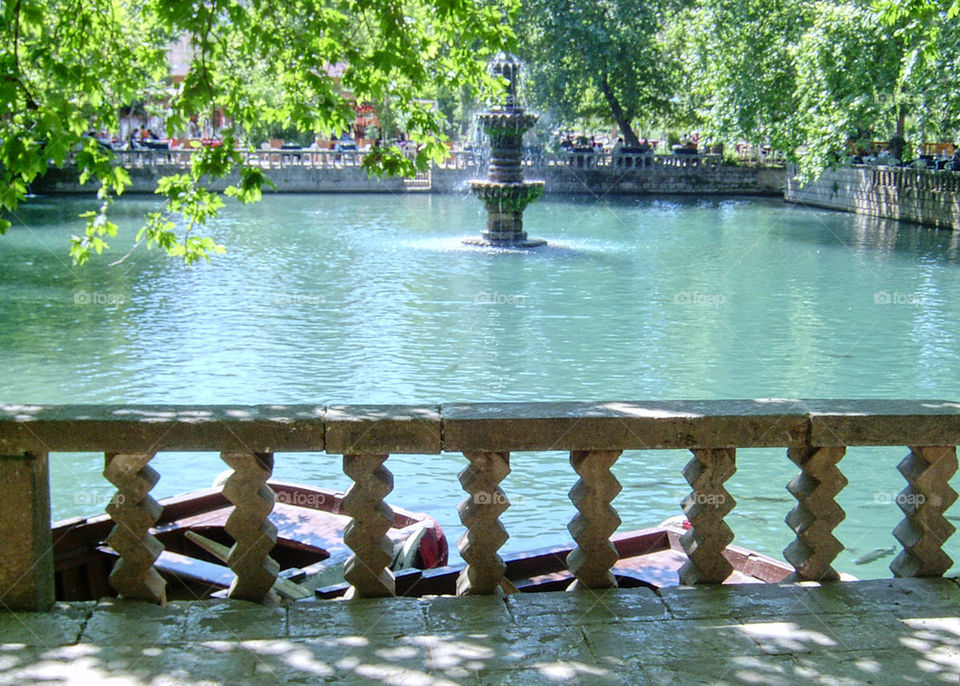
x: 505, y: 203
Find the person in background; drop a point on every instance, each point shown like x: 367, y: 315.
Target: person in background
x: 617, y: 149
x: 896, y: 146
x: 955, y: 163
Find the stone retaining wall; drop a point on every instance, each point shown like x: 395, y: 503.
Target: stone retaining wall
x: 559, y: 180
x: 916, y: 195
x: 287, y: 179
x: 721, y: 179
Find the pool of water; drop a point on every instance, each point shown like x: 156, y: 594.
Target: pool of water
x: 373, y: 299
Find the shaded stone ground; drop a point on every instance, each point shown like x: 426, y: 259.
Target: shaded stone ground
x: 901, y: 631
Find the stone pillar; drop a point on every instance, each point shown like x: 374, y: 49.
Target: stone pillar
x: 924, y: 529
x: 26, y: 548
x: 705, y: 507
x: 480, y: 513
x: 816, y: 514
x: 134, y: 511
x: 596, y: 520
x: 368, y: 569
x: 253, y: 533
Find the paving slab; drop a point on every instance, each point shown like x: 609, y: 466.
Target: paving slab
x: 233, y: 620
x: 723, y: 671
x: 873, y: 667
x: 641, y: 643
x: 760, y: 600
x: 561, y: 672
x: 813, y: 633
x: 360, y: 617
x: 467, y: 614
x: 891, y: 631
x: 350, y: 659
x: 119, y: 622
x: 587, y: 607
x: 903, y: 597
x: 62, y: 624
x: 507, y: 648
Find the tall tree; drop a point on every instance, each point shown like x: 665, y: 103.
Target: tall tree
x: 71, y: 65
x: 591, y: 56
x: 848, y: 75
x: 739, y: 67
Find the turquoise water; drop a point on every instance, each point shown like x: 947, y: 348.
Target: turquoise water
x: 372, y: 299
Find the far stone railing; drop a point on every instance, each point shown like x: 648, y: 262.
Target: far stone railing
x: 306, y: 158
x: 815, y: 433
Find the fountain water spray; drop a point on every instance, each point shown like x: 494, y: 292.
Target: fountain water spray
x: 505, y: 193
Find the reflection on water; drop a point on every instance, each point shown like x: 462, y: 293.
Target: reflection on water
x: 374, y: 299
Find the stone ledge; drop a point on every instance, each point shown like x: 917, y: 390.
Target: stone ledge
x: 491, y: 427
x: 884, y: 423
x: 145, y: 428
x: 382, y: 429
x: 624, y: 425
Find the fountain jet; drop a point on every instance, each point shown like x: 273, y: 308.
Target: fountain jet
x: 505, y: 193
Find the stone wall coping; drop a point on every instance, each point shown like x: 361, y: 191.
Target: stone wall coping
x: 458, y: 427
x: 150, y: 428
x: 354, y: 429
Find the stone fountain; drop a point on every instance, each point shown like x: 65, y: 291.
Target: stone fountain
x: 505, y: 193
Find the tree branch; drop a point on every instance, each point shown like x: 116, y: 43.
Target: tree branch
x: 31, y: 102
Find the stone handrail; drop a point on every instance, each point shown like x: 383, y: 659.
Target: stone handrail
x: 625, y: 161
x: 902, y: 178
x: 815, y: 434
x: 457, y: 159
x: 267, y: 159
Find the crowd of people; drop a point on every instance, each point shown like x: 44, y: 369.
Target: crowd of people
x: 895, y: 153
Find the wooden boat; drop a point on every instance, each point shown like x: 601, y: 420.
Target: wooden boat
x: 648, y: 557
x: 310, y: 549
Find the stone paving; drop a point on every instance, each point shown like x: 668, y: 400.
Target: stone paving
x: 896, y: 631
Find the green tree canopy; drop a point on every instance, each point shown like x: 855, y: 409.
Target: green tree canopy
x: 740, y: 72
x: 599, y: 56
x: 807, y: 77
x: 71, y: 66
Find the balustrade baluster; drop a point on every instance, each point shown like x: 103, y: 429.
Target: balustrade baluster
x: 705, y: 508
x: 596, y: 520
x: 134, y: 511
x: 253, y: 533
x: 367, y: 570
x: 480, y: 513
x: 816, y: 514
x: 927, y: 496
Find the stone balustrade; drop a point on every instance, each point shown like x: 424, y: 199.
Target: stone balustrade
x: 457, y: 159
x: 265, y: 159
x: 814, y: 433
x: 903, y: 178
x: 926, y: 196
